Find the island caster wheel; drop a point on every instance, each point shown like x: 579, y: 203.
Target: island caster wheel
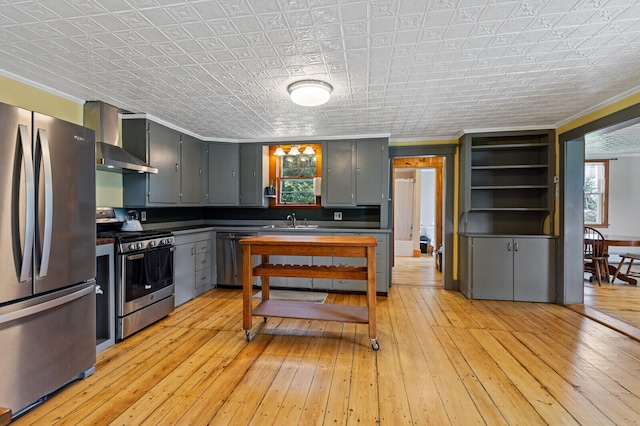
x: 265, y: 319
x: 249, y: 336
x: 374, y: 344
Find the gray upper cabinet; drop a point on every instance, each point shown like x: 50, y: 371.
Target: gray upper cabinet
x: 355, y: 172
x: 253, y: 166
x: 371, y: 171
x: 338, y: 173
x: 159, y: 146
x: 191, y: 170
x: 224, y: 182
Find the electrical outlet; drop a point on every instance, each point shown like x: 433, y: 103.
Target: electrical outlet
x: 143, y: 215
x: 337, y: 215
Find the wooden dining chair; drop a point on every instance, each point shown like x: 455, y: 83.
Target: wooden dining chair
x: 595, y: 254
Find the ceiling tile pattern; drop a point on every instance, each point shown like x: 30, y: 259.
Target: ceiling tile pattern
x: 407, y: 68
x: 612, y: 142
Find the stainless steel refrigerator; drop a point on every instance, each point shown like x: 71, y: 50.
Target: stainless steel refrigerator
x: 47, y: 244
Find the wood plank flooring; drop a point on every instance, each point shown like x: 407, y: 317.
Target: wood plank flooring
x: 619, y: 300
x: 443, y: 360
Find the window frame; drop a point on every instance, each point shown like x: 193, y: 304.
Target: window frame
x: 604, y: 194
x: 275, y: 175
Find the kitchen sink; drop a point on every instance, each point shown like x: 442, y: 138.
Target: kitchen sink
x: 289, y: 227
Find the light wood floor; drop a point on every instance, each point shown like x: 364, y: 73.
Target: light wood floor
x: 619, y: 300
x: 443, y: 360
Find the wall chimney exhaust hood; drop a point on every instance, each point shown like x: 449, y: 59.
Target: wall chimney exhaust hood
x: 103, y: 118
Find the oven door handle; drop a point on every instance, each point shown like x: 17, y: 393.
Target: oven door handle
x: 141, y: 255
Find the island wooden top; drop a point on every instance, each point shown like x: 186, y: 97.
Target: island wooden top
x: 334, y: 240
x: 308, y: 245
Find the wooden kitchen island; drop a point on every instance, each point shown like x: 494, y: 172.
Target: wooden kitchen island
x: 309, y: 245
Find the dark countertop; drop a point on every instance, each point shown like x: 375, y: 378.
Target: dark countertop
x: 102, y: 241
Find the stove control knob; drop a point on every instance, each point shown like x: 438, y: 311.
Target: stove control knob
x: 140, y: 246
x: 152, y: 244
x: 132, y: 246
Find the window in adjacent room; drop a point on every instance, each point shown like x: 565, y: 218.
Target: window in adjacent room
x: 293, y: 175
x: 596, y: 196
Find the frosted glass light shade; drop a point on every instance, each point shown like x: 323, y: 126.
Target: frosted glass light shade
x: 279, y: 152
x: 310, y: 92
x: 294, y: 150
x: 308, y: 150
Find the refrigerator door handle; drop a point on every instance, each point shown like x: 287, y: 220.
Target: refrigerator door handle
x: 48, y: 202
x: 50, y: 304
x: 30, y: 217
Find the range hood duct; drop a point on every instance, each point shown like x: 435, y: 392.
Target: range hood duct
x: 103, y: 118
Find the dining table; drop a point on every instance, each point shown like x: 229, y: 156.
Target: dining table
x: 621, y: 241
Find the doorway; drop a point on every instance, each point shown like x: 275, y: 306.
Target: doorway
x: 446, y: 237
x: 572, y: 156
x: 417, y: 217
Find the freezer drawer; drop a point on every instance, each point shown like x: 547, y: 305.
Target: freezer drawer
x: 47, y: 342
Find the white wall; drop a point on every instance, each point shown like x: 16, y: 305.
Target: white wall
x: 624, y: 201
x: 428, y: 200
x: 624, y: 196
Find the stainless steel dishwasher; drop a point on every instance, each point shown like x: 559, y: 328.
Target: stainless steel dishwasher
x: 229, y: 257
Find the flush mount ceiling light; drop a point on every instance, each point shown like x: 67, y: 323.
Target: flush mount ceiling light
x: 310, y: 92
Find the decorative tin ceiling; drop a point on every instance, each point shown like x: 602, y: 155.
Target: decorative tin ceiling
x: 416, y: 69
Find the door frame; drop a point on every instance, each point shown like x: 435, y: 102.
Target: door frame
x: 448, y: 151
x: 570, y: 266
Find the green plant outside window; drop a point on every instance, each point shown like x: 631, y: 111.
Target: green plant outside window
x: 296, y: 182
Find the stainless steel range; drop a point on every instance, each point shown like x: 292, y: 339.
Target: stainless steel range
x: 144, y: 278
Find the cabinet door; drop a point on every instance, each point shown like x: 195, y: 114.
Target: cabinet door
x: 302, y: 282
x: 184, y: 273
x: 164, y: 154
x: 534, y: 270
x: 382, y: 263
x: 223, y: 174
x: 369, y: 171
x: 191, y: 151
x: 322, y: 283
x: 338, y: 176
x: 492, y: 268
x: 349, y: 285
x: 251, y: 174
x: 278, y: 260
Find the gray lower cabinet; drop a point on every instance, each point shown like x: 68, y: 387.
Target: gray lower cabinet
x: 204, y: 264
x: 192, y: 266
x: 322, y: 283
x: 382, y: 268
x: 518, y: 268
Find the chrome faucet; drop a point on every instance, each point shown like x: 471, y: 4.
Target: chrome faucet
x: 292, y: 218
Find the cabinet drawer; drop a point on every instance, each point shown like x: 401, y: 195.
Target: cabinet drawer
x: 203, y: 260
x: 203, y: 246
x: 203, y: 277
